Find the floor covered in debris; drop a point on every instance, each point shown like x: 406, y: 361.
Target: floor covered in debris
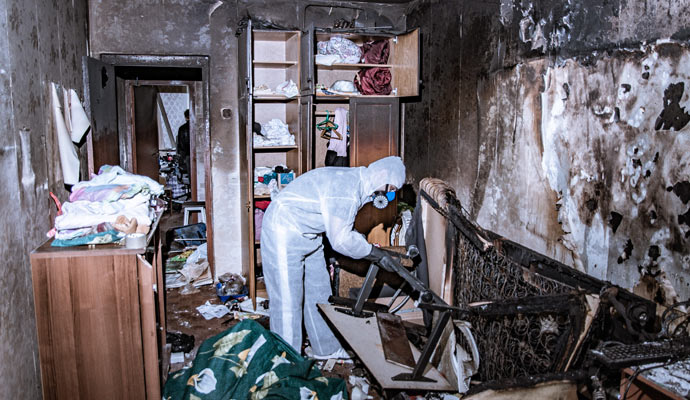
x: 182, y: 317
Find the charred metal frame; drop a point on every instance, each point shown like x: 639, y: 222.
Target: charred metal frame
x: 525, y: 291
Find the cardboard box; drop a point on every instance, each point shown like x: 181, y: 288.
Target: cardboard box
x: 285, y: 178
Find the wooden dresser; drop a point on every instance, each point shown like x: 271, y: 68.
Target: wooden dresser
x: 100, y: 317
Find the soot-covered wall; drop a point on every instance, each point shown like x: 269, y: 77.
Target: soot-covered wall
x: 208, y: 28
x: 564, y: 126
x: 40, y: 43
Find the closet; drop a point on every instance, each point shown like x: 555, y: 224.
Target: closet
x: 272, y: 57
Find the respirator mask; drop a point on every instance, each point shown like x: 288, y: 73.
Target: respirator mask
x: 381, y: 198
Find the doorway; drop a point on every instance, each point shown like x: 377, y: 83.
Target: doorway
x: 152, y: 94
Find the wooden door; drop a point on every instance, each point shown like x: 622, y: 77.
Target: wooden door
x: 306, y: 115
x: 374, y: 134
x: 101, y: 102
x: 307, y: 70
x: 146, y: 132
x: 246, y: 121
x: 374, y: 129
x: 88, y: 324
x: 147, y: 276
x: 404, y: 57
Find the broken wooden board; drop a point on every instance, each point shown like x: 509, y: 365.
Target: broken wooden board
x: 396, y: 347
x: 363, y: 336
x: 562, y: 390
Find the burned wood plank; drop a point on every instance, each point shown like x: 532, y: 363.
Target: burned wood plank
x: 396, y: 347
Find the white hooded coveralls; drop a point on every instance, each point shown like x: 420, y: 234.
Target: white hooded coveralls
x: 323, y: 200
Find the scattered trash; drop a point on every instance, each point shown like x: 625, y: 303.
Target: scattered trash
x: 329, y: 365
x: 241, y: 316
x: 210, y: 311
x: 247, y: 306
x: 360, y: 388
x: 195, y: 272
x: 180, y: 342
x: 189, y: 288
x: 176, y: 358
x: 173, y: 264
x: 230, y: 286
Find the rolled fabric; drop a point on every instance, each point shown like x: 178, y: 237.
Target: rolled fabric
x: 69, y: 160
x: 373, y: 81
x: 79, y: 122
x: 375, y: 52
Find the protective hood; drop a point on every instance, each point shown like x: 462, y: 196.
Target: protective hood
x: 386, y: 171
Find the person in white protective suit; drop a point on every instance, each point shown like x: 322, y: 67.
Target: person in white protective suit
x: 323, y: 200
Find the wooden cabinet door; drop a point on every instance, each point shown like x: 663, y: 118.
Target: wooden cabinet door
x: 149, y: 338
x: 374, y: 134
x: 306, y: 115
x: 246, y: 122
x: 404, y: 57
x: 374, y: 129
x: 307, y: 70
x: 146, y: 132
x: 89, y: 326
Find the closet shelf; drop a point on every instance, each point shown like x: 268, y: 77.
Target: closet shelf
x: 274, y: 63
x: 274, y: 148
x: 322, y: 96
x: 273, y: 97
x: 262, y: 196
x: 344, y: 65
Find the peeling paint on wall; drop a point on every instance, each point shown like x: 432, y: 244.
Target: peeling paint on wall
x: 619, y: 174
x: 40, y: 42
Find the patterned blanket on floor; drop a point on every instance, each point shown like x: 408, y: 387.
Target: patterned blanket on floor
x: 250, y: 362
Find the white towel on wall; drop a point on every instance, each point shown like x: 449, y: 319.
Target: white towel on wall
x: 69, y: 160
x: 79, y: 121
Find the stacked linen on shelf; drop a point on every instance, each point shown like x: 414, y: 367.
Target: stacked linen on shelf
x: 274, y: 133
x: 269, y: 181
x: 261, y: 184
x: 106, y: 208
x: 338, y: 50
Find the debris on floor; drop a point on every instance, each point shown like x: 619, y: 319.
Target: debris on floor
x: 210, y: 311
x: 195, y: 272
x: 175, y: 263
x: 261, y: 303
x: 179, y: 341
x: 360, y: 388
x: 230, y: 286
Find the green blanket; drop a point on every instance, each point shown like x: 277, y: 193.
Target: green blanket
x: 250, y: 362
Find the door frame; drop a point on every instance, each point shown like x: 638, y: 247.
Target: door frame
x: 195, y: 97
x: 203, y: 119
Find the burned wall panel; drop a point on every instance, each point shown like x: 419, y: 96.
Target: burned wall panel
x: 433, y: 133
x: 38, y: 41
x: 417, y: 125
x: 150, y: 27
x: 571, y: 130
x: 225, y: 148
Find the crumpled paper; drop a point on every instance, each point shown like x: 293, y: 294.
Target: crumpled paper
x: 210, y: 311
